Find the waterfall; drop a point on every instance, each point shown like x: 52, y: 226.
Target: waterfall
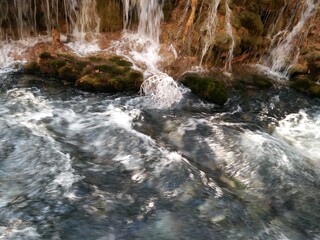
x: 87, y: 17
x: 284, y: 47
x: 210, y: 28
x: 230, y: 33
x: 145, y: 50
x: 20, y: 19
x: 149, y: 13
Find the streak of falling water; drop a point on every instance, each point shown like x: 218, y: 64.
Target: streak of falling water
x: 228, y: 66
x: 209, y: 28
x: 20, y: 19
x: 87, y: 18
x: 283, y: 52
x: 144, y: 50
x: 150, y: 16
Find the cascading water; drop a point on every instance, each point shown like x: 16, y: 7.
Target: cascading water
x: 21, y: 19
x: 83, y: 165
x: 228, y: 66
x: 87, y: 18
x: 285, y: 46
x: 210, y: 28
x: 150, y: 15
x: 145, y: 47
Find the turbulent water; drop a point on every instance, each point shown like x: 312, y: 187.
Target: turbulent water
x: 78, y: 165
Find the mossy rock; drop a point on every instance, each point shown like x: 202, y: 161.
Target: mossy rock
x: 120, y: 61
x: 206, y: 87
x: 67, y: 73
x: 67, y: 57
x: 95, y: 73
x: 104, y: 82
x: 261, y: 82
x: 45, y: 55
x: 304, y: 84
x: 32, y: 68
x: 96, y: 59
x: 57, y: 63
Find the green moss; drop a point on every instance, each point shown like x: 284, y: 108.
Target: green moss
x: 66, y: 73
x: 301, y: 84
x: 45, y: 55
x: 111, y: 69
x: 97, y: 59
x: 67, y: 57
x: 304, y: 84
x: 120, y: 61
x: 136, y: 76
x: 56, y: 63
x: 31, y: 68
x: 315, y: 90
x: 124, y: 63
x: 261, y: 82
x: 79, y: 66
x: 206, y: 87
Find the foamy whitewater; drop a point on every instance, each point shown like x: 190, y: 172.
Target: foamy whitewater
x: 164, y: 165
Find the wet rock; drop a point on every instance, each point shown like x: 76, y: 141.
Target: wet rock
x: 206, y: 87
x: 298, y: 69
x: 32, y: 67
x: 272, y: 5
x: 95, y: 73
x: 305, y: 84
x: 249, y: 78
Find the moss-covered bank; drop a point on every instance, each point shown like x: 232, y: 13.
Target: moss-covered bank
x: 95, y: 73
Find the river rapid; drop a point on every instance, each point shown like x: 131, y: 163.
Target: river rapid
x: 78, y: 165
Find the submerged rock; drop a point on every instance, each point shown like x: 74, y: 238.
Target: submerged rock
x: 206, y: 87
x: 95, y: 73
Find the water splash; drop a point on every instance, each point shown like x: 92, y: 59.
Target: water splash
x: 162, y: 89
x: 298, y: 130
x: 144, y: 50
x: 11, y: 54
x: 284, y: 49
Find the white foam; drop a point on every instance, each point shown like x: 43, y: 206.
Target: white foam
x: 83, y: 48
x: 142, y: 50
x: 33, y: 109
x: 162, y: 89
x: 11, y: 52
x: 301, y: 130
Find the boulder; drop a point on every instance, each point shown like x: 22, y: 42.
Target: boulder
x: 95, y: 73
x: 206, y: 87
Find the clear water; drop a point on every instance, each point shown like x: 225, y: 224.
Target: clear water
x: 76, y: 165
